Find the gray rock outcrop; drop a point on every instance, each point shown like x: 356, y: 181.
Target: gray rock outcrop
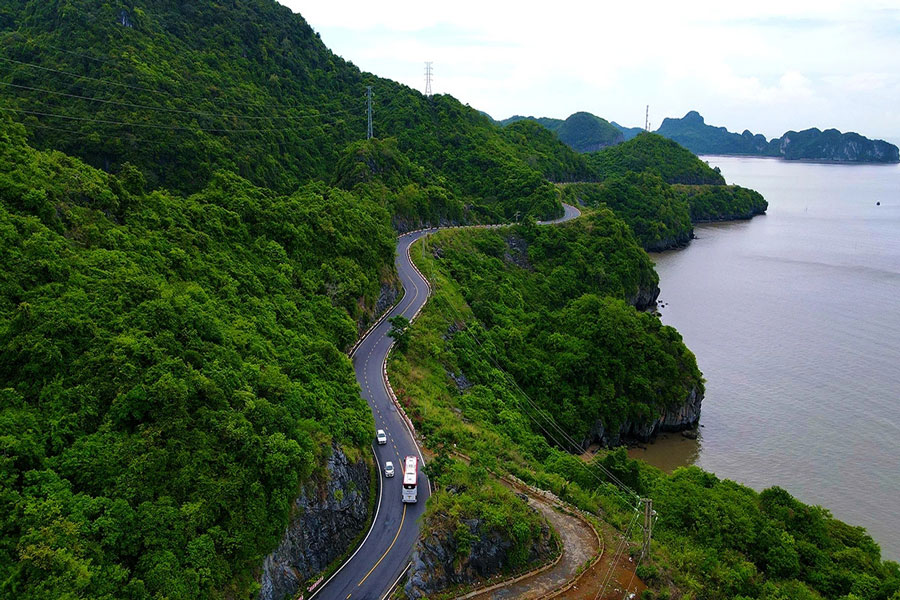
x: 676, y: 418
x: 436, y: 564
x: 644, y: 298
x: 328, y: 517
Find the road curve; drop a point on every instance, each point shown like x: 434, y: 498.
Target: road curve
x: 371, y: 572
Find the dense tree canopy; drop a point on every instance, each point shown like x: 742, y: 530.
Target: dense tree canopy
x: 654, y: 153
x: 172, y: 371
x: 183, y: 90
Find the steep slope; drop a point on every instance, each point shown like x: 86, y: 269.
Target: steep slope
x: 172, y: 372
x: 181, y: 90
x: 544, y: 151
x: 692, y: 132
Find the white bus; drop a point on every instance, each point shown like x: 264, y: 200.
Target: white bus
x: 410, y: 477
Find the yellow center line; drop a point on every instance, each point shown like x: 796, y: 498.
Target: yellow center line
x: 386, y: 551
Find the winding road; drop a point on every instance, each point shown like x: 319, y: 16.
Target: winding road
x: 380, y: 561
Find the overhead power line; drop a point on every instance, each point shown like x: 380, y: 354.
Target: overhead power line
x: 551, y: 422
x: 151, y: 125
x: 167, y: 110
x: 142, y: 88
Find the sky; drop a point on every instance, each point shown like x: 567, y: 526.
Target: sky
x: 768, y: 66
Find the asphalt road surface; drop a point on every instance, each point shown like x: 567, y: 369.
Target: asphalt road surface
x: 384, y: 554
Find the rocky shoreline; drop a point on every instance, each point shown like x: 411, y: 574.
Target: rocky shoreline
x: 683, y: 417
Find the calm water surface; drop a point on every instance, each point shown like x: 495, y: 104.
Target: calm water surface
x: 795, y: 320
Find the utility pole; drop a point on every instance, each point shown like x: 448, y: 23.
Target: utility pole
x: 647, y: 119
x: 369, y: 134
x: 428, y: 73
x: 648, y: 525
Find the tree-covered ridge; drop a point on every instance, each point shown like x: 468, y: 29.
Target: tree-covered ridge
x: 692, y: 132
x: 662, y: 215
x: 552, y: 305
x: 172, y: 372
x: 581, y: 131
x: 713, y: 539
x: 656, y: 211
x: 542, y: 150
x: 654, y: 153
x: 182, y: 90
x: 722, y: 202
x: 585, y: 132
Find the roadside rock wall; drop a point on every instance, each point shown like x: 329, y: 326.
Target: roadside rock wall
x: 328, y: 518
x: 437, y: 565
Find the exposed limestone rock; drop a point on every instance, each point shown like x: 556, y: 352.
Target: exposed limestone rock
x: 436, y: 564
x: 328, y: 517
x: 644, y: 298
x: 677, y: 418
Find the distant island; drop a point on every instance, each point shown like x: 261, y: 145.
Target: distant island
x: 810, y: 144
x: 585, y: 132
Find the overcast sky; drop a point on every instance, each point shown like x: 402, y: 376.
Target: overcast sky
x: 767, y: 66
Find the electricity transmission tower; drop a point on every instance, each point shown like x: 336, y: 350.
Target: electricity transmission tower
x: 647, y: 119
x: 428, y: 73
x: 648, y: 525
x: 369, y: 111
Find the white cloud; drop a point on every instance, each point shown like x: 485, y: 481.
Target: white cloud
x: 768, y: 65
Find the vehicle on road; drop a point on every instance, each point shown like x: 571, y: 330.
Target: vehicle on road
x: 388, y: 469
x: 381, y: 437
x: 410, y: 479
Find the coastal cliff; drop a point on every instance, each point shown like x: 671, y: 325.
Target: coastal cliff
x: 673, y: 418
x: 328, y: 517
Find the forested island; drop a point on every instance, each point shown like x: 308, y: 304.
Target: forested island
x: 195, y: 230
x: 830, y: 145
x: 584, y: 132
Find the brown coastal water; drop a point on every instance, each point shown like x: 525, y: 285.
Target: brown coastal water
x: 795, y: 321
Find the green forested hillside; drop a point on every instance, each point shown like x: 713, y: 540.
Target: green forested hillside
x: 553, y: 307
x: 181, y: 90
x: 656, y: 212
x: 171, y: 370
x: 501, y: 366
x: 544, y: 151
x: 652, y: 152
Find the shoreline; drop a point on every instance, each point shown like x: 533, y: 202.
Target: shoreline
x: 813, y: 161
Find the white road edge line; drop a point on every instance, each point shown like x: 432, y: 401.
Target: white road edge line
x: 371, y: 527
x: 394, y: 585
x: 428, y: 231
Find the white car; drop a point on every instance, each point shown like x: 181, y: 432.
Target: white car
x: 381, y: 437
x: 388, y: 469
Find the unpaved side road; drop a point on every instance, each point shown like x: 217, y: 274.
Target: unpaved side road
x: 579, y: 544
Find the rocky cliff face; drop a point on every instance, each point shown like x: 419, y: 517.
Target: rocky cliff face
x: 644, y: 298
x: 436, y: 564
x: 678, y: 418
x: 328, y: 517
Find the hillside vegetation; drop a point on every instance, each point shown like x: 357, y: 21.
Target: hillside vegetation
x: 172, y: 371
x: 183, y: 90
x: 652, y: 152
x: 643, y: 181
x: 714, y: 538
